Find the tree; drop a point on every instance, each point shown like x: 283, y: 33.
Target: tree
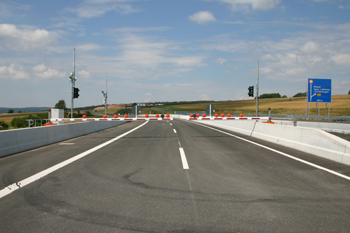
x: 3, y: 125
x: 349, y: 92
x: 270, y: 95
x: 61, y: 104
x: 11, y: 111
x: 300, y: 94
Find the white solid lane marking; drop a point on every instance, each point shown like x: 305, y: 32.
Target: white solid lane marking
x: 66, y: 143
x: 174, y: 130
x: 282, y: 153
x: 9, y: 189
x: 183, y: 158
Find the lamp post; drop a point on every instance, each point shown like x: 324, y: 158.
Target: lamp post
x: 105, y: 98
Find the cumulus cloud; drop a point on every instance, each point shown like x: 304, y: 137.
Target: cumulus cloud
x: 202, y: 17
x: 24, y: 39
x: 142, y: 57
x: 141, y: 51
x: 310, y: 47
x: 97, y: 8
x: 84, y: 74
x: 39, y: 68
x: 221, y: 60
x: 12, y: 73
x: 89, y: 47
x: 246, y: 5
x: 342, y: 59
x: 320, y: 53
x: 42, y: 72
x: 136, y: 29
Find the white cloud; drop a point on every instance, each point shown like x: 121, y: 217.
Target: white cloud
x: 89, y: 47
x: 39, y: 68
x: 12, y: 73
x: 24, y: 39
x: 323, y: 52
x: 310, y: 47
x: 42, y: 72
x: 12, y: 9
x: 186, y: 61
x: 246, y: 5
x: 342, y: 59
x: 221, y: 60
x: 202, y: 17
x: 145, y: 52
x: 140, y: 57
x: 136, y: 29
x: 84, y: 74
x: 265, y: 70
x: 97, y: 8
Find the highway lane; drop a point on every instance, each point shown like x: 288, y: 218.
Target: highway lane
x: 138, y: 184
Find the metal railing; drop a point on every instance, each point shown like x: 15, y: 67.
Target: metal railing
x: 31, y: 122
x: 312, y: 117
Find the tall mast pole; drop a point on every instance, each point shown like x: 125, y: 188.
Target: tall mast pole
x: 257, y: 94
x: 73, y: 85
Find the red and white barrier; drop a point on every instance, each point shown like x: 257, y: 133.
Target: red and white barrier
x: 228, y: 117
x: 126, y: 118
x: 110, y: 119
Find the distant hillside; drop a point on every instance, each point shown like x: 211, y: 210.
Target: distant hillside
x: 28, y: 109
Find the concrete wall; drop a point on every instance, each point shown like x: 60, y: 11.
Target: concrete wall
x: 313, y: 141
x: 18, y: 140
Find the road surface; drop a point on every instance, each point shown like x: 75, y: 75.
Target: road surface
x: 172, y: 176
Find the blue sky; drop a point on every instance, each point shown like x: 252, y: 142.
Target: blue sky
x: 169, y: 50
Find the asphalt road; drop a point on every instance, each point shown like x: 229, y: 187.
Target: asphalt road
x: 141, y: 183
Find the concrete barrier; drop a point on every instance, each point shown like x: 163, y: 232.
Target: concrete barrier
x: 243, y: 127
x: 313, y: 141
x: 326, y: 126
x: 18, y: 140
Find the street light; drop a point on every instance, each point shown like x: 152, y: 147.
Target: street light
x: 105, y: 101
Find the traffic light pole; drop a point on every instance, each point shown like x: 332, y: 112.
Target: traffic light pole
x: 73, y: 86
x: 257, y: 94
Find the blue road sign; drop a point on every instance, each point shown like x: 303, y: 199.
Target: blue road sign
x: 319, y: 90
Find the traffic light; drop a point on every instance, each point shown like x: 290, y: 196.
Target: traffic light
x: 76, y: 93
x: 251, y: 91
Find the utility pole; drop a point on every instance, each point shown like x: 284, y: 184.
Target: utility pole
x: 105, y: 98
x: 257, y: 94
